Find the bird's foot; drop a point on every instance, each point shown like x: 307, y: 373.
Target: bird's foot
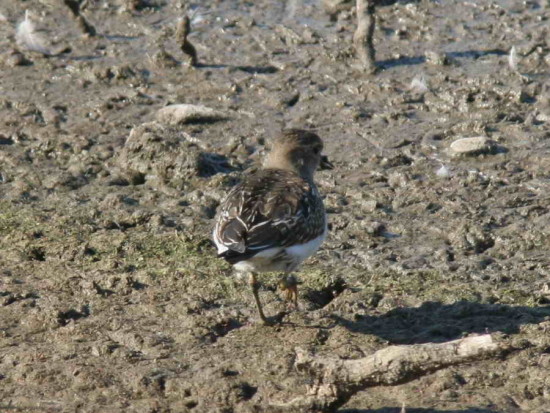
x: 289, y: 285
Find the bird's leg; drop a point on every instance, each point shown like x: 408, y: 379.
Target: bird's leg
x: 255, y: 286
x: 289, y: 284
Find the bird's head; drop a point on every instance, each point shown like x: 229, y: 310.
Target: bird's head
x: 298, y: 150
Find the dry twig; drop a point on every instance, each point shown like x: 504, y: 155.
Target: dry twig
x: 336, y: 380
x: 362, y: 38
x: 74, y: 7
x: 183, y: 30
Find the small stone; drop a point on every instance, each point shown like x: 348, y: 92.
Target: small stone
x: 185, y: 113
x: 15, y: 58
x: 370, y: 206
x: 398, y: 179
x: 472, y: 146
x: 333, y: 7
x: 436, y: 59
x: 375, y: 228
x: 542, y: 117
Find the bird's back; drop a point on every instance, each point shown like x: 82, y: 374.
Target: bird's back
x: 269, y: 210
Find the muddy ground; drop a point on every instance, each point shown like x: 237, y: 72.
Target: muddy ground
x: 111, y: 298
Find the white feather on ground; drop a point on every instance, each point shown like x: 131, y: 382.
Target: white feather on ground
x: 27, y: 37
x: 443, y: 172
x: 419, y: 84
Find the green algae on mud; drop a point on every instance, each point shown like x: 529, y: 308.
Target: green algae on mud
x: 80, y: 240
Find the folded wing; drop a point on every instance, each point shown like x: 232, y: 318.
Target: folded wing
x: 270, y: 209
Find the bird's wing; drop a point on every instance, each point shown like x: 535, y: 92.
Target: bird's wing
x: 269, y: 209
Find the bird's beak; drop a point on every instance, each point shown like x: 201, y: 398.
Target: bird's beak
x: 325, y: 163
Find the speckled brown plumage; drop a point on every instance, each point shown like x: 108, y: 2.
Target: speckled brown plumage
x: 270, y: 209
x: 275, y: 218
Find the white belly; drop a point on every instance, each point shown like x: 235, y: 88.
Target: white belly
x: 303, y: 251
x: 279, y: 259
x: 261, y: 262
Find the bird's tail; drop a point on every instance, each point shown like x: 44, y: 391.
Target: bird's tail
x: 234, y: 257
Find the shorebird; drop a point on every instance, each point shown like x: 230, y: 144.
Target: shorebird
x: 275, y: 218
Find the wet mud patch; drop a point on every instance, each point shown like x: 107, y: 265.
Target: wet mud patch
x: 109, y: 287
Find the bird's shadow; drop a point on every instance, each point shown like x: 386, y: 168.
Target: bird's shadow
x: 255, y: 70
x: 416, y: 60
x: 417, y: 410
x: 437, y: 322
x: 392, y: 2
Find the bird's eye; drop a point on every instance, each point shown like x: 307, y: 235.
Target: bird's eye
x: 316, y: 150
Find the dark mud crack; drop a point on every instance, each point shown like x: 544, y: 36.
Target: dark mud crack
x: 221, y: 329
x: 7, y: 297
x: 65, y: 317
x: 323, y: 297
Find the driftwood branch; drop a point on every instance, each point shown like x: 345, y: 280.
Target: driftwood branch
x: 362, y: 38
x: 83, y: 24
x: 183, y: 30
x: 335, y: 381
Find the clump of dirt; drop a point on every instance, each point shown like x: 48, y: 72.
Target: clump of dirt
x: 164, y: 155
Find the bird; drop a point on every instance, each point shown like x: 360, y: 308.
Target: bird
x: 275, y: 218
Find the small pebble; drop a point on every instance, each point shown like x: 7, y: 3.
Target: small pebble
x: 436, y: 59
x: 472, y: 146
x: 185, y: 113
